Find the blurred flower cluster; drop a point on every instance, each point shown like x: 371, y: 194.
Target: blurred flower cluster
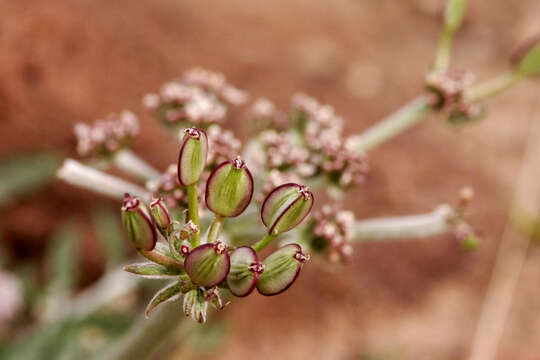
x: 449, y: 89
x: 199, y: 96
x: 106, y: 136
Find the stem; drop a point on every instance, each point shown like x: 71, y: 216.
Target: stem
x: 511, y: 254
x: 423, y: 225
x: 161, y: 259
x: 493, y: 86
x: 215, y: 229
x: 393, y: 124
x: 146, y: 335
x: 261, y: 244
x: 193, y: 210
x: 442, y: 56
x: 127, y: 161
x: 75, y: 173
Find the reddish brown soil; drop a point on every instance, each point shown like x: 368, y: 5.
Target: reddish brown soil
x: 67, y: 61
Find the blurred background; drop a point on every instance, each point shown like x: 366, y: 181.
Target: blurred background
x: 67, y: 61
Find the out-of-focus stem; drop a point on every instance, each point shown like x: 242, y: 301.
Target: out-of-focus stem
x: 392, y: 125
x: 215, y: 229
x: 127, y: 161
x: 86, y: 177
x: 161, y: 259
x: 412, y: 226
x: 493, y: 86
x: 193, y: 210
x: 261, y: 244
x: 442, y: 56
x: 147, y: 335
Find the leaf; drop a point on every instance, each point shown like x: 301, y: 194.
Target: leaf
x: 168, y: 293
x: 22, y: 174
x: 110, y: 234
x: 151, y: 270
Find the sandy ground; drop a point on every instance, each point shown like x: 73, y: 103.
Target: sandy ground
x: 66, y: 61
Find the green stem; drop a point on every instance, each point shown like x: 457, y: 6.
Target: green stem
x: 442, y: 57
x: 493, y: 86
x: 393, y: 125
x: 261, y: 244
x: 215, y: 229
x: 161, y: 259
x: 193, y: 210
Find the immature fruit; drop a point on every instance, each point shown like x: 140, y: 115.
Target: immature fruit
x: 160, y: 213
x: 138, y: 224
x: 245, y: 271
x: 281, y: 268
x: 208, y: 264
x: 192, y: 158
x: 285, y: 207
x: 229, y: 188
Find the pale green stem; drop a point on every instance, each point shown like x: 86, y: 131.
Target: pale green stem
x: 146, y: 335
x: 261, y: 244
x: 87, y: 177
x: 493, y: 86
x: 127, y: 161
x: 393, y: 125
x: 442, y: 56
x: 161, y: 259
x: 434, y: 223
x: 215, y: 229
x: 193, y: 211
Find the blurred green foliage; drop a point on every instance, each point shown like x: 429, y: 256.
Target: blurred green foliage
x: 23, y: 174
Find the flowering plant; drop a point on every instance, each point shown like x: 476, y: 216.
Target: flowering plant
x: 176, y: 220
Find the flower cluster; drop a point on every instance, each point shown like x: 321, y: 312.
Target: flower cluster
x: 199, y: 97
x: 449, y: 89
x: 106, y: 136
x: 222, y: 145
x: 168, y: 188
x: 330, y: 231
x: 265, y: 112
x: 201, y: 268
x: 315, y: 147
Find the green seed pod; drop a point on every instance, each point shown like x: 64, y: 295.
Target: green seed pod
x: 229, y: 188
x: 245, y: 271
x: 208, y: 265
x: 526, y: 59
x: 160, y: 213
x: 192, y: 158
x: 138, y: 224
x: 285, y: 207
x: 281, y: 268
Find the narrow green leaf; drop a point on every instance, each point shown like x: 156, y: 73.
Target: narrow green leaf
x: 151, y: 270
x: 168, y: 293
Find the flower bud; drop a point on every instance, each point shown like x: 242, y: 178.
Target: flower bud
x: 245, y: 271
x: 526, y: 59
x: 229, y: 188
x: 285, y: 207
x: 195, y: 306
x: 192, y: 158
x: 160, y: 213
x: 208, y: 264
x: 138, y: 224
x: 281, y: 268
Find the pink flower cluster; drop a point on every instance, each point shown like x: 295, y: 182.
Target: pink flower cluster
x: 199, y: 96
x: 222, y: 145
x: 330, y: 152
x: 273, y: 179
x: 332, y: 232
x: 106, y: 136
x: 265, y: 112
x: 168, y: 188
x: 449, y: 89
